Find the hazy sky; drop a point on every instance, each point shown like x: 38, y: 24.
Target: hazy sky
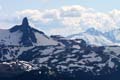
x: 62, y: 17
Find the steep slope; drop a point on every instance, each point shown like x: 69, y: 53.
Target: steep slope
x: 8, y: 38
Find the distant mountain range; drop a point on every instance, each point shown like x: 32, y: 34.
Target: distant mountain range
x: 95, y: 37
x: 27, y: 53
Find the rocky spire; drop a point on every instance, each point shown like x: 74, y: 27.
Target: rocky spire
x: 28, y: 37
x: 25, y: 21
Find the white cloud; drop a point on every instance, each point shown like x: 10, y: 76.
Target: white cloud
x: 115, y: 14
x: 65, y: 31
x: 72, y: 19
x: 76, y: 8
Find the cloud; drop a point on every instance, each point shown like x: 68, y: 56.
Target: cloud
x: 115, y: 14
x: 71, y: 19
x: 65, y: 31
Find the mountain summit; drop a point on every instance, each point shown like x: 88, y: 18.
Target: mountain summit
x: 28, y: 37
x: 23, y: 27
x: 25, y: 21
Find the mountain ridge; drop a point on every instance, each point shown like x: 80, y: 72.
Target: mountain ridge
x: 96, y: 37
x: 55, y: 57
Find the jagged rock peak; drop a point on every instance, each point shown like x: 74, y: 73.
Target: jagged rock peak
x: 25, y: 21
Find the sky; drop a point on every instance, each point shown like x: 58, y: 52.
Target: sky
x: 100, y: 5
x: 63, y: 17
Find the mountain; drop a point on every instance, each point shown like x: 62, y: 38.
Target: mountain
x: 26, y: 53
x: 92, y: 36
x: 95, y: 37
x: 113, y: 35
x: 24, y: 35
x: 75, y: 59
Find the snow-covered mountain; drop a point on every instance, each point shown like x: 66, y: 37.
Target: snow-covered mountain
x: 113, y: 35
x: 27, y: 50
x: 24, y: 35
x: 95, y: 37
x: 74, y: 56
